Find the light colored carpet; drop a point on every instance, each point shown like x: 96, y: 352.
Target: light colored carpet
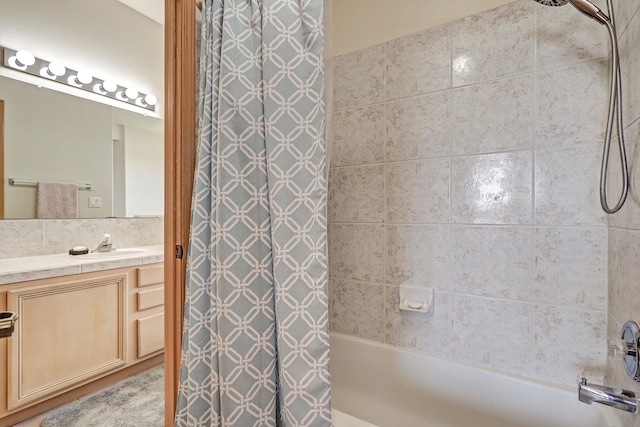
x: 136, y: 402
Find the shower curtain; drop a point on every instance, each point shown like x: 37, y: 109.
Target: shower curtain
x: 255, y: 348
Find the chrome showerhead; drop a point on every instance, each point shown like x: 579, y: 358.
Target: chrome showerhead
x: 584, y: 6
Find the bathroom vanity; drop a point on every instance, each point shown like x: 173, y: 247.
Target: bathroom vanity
x: 79, y: 319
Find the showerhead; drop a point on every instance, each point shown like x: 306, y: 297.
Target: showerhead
x: 584, y: 6
x: 552, y: 2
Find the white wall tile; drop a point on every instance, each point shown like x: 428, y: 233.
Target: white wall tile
x: 357, y: 252
x: 64, y: 234
x: 492, y: 116
x: 570, y: 344
x: 357, y: 309
x: 358, y: 78
x: 492, y: 189
x: 418, y: 255
x: 356, y: 194
x: 21, y: 238
x: 493, y: 44
x: 571, y: 104
x: 630, y: 64
x: 492, y: 261
x: 417, y: 192
x: 418, y: 63
x: 571, y: 266
x: 418, y: 127
x: 567, y: 183
x: 359, y: 136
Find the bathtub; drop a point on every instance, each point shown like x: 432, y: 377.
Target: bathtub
x: 378, y: 385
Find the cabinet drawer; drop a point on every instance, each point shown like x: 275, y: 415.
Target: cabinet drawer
x: 152, y: 275
x: 151, y: 298
x: 150, y: 334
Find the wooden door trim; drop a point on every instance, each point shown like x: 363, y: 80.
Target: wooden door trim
x: 180, y: 130
x: 1, y: 159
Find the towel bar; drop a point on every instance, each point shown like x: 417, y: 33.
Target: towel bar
x: 13, y: 181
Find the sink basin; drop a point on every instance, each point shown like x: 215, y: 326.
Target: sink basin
x: 118, y: 253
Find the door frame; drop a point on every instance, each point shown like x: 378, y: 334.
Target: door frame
x: 1, y: 159
x: 180, y: 142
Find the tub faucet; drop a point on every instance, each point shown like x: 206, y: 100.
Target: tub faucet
x: 105, y: 244
x: 615, y: 397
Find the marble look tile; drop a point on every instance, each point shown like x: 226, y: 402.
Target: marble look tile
x: 418, y: 63
x: 63, y: 234
x: 624, y: 271
x: 502, y: 342
x: 132, y: 232
x: 565, y: 36
x: 359, y: 136
x: 358, y: 309
x: 570, y: 344
x: 101, y: 265
x: 624, y: 11
x: 492, y: 189
x: 567, y: 186
x: 492, y: 116
x: 418, y: 128
x: 505, y: 273
x: 493, y: 44
x: 417, y: 192
x: 358, y: 78
x: 571, y: 104
x: 629, y: 65
x: 26, y: 268
x: 21, y: 238
x: 418, y: 255
x: 356, y: 194
x: 629, y: 215
x: 427, y: 333
x: 357, y: 252
x: 571, y: 267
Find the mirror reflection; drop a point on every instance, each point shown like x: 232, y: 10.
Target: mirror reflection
x: 52, y: 136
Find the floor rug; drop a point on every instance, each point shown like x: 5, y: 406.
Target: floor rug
x: 136, y: 402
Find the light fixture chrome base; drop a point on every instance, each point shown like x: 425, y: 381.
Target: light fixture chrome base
x: 630, y: 338
x: 73, y: 78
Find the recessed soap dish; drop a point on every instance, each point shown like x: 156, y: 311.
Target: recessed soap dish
x: 415, y: 298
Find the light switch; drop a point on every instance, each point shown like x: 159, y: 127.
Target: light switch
x: 95, y: 202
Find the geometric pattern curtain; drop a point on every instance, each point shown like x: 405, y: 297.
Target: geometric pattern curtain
x: 255, y: 345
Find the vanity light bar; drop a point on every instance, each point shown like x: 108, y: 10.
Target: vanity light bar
x: 22, y: 60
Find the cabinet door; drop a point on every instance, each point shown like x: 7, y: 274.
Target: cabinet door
x: 68, y: 334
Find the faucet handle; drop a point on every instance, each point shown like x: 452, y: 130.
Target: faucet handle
x: 583, y: 381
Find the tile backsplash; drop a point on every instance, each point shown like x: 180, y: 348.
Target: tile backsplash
x: 466, y: 158
x: 53, y: 236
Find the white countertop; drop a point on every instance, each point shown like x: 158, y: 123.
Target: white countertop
x: 14, y: 270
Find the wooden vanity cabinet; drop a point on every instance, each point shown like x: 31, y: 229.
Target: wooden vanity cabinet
x: 73, y: 330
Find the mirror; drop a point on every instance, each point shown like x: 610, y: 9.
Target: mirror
x: 54, y: 136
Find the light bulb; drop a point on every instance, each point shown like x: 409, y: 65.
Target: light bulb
x: 150, y: 99
x: 83, y: 78
x: 109, y: 86
x: 131, y: 93
x: 24, y: 58
x: 56, y: 69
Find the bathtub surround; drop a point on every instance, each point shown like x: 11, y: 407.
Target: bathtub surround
x: 466, y: 159
x: 624, y: 227
x: 26, y: 238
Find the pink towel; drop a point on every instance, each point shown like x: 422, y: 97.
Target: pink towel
x: 56, y: 200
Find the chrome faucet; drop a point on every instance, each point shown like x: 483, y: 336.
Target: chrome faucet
x: 615, y: 397
x: 105, y: 244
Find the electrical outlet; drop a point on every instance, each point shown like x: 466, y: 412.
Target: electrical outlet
x: 95, y: 202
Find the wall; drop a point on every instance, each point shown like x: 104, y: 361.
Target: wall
x: 51, y: 136
x: 466, y: 159
x: 57, y: 236
x: 624, y: 230
x: 356, y: 24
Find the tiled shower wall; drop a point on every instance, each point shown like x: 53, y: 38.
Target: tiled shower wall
x: 465, y: 158
x: 624, y: 227
x: 21, y: 238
